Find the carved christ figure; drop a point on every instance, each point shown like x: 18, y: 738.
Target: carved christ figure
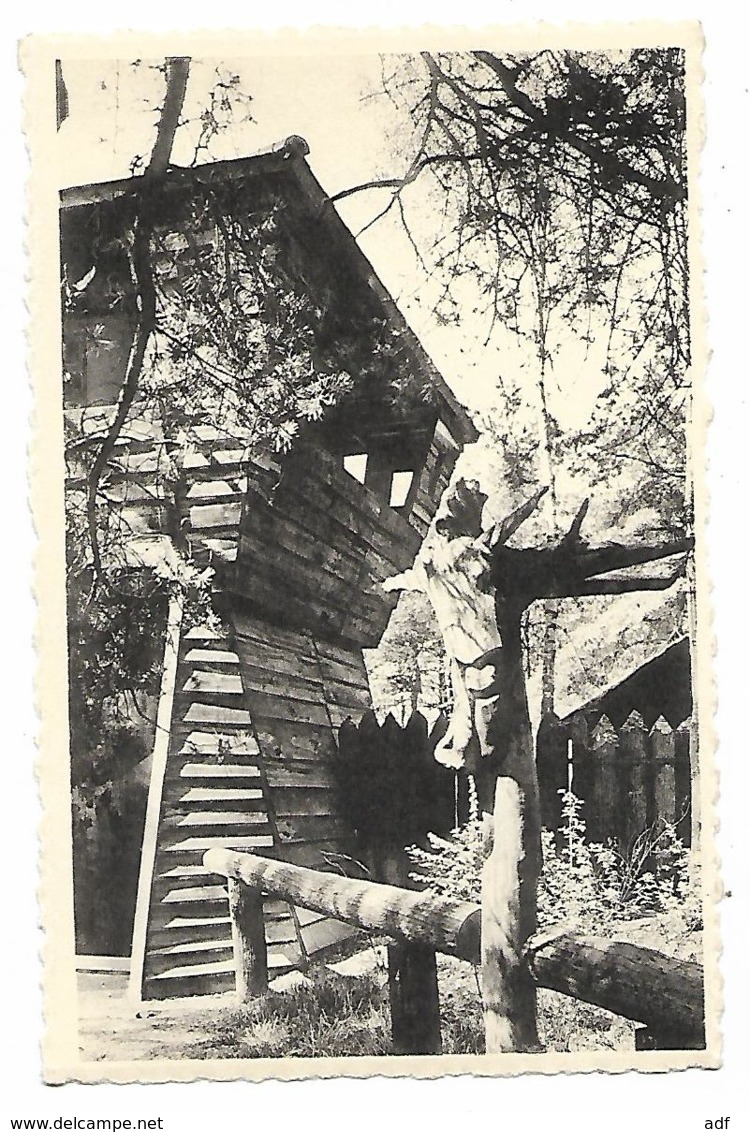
x: 479, y: 587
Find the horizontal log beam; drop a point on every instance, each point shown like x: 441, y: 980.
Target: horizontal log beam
x: 664, y: 993
x: 450, y: 926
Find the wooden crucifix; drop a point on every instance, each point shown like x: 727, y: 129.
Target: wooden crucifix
x: 479, y: 587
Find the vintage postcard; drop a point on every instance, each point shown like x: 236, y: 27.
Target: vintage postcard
x: 374, y: 648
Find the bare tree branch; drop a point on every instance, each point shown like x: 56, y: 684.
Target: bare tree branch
x: 178, y: 68
x: 602, y: 586
x: 667, y: 188
x: 602, y: 560
x: 499, y: 534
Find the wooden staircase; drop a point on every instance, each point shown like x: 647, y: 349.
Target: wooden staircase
x: 214, y: 794
x: 217, y: 787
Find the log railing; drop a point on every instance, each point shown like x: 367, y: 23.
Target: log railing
x: 665, y: 995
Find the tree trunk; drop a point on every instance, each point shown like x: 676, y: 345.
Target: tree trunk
x: 508, y: 796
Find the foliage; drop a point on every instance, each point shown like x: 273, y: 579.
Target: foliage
x: 253, y: 337
x: 594, y: 885
x: 589, y: 886
x: 331, y: 1015
x: 452, y: 866
x: 240, y: 343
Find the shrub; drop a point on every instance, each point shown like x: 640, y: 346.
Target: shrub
x: 593, y: 885
x: 585, y: 884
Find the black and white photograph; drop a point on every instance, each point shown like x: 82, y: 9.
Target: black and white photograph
x: 377, y: 726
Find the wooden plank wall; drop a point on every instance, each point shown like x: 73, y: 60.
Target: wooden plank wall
x: 313, y: 555
x: 300, y: 689
x: 306, y: 546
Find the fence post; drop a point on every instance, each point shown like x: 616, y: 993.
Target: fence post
x: 662, y: 757
x: 551, y: 769
x: 248, y: 939
x: 603, y: 747
x: 685, y: 791
x: 633, y: 755
x: 414, y: 999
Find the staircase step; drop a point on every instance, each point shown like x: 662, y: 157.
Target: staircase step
x: 237, y: 842
x: 214, y: 683
x: 196, y: 947
x: 197, y: 923
x: 198, y: 742
x: 217, y: 716
x: 211, y: 657
x: 212, y: 490
x: 205, y: 633
x: 205, y: 894
x: 185, y: 872
x: 222, y: 967
x: 219, y: 817
x: 219, y: 770
x: 168, y: 929
x: 217, y: 794
x: 276, y: 961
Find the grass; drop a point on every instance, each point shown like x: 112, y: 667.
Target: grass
x: 332, y: 1015
x: 335, y: 1015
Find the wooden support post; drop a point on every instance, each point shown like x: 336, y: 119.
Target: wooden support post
x: 248, y: 939
x: 604, y: 747
x: 509, y: 880
x: 685, y: 786
x: 414, y: 999
x: 154, y: 805
x: 647, y: 1038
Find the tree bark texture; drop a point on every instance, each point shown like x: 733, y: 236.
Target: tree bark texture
x: 248, y: 939
x: 450, y: 926
x: 646, y: 986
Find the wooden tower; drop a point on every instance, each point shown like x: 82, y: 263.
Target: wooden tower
x: 300, y: 544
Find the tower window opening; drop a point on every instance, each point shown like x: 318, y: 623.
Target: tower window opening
x: 356, y: 466
x: 400, y: 488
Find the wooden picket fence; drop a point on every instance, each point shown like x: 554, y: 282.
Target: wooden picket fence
x: 630, y: 779
x: 392, y: 790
